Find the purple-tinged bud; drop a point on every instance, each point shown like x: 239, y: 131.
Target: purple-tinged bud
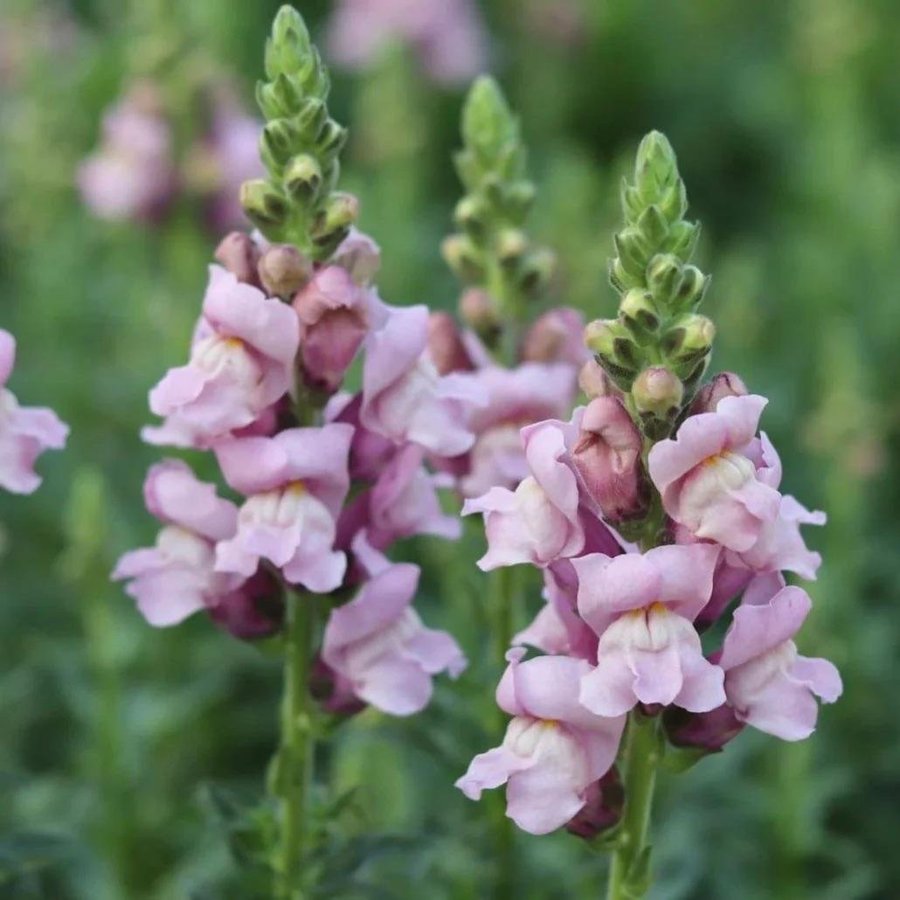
x: 254, y: 611
x: 283, y: 270
x: 445, y: 345
x: 239, y: 254
x: 608, y: 458
x: 725, y: 384
x: 333, y: 692
x: 556, y: 336
x: 360, y: 256
x: 605, y: 802
x: 478, y: 309
x: 658, y: 392
x: 705, y: 732
x: 594, y: 382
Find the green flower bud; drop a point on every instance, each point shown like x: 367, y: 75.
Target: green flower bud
x: 279, y: 138
x: 263, y: 204
x: 689, y: 338
x: 653, y: 226
x: 682, y: 240
x: 470, y: 215
x: 614, y: 350
x: 518, y: 199
x: 658, y: 392
x: 303, y: 178
x: 634, y: 252
x: 639, y: 314
x: 332, y: 224
x: 331, y: 139
x: 463, y: 257
x: 537, y: 270
x: 655, y: 167
x: 511, y: 245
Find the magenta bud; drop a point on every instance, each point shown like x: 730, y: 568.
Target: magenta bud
x: 332, y: 691
x: 255, y: 610
x: 725, y: 384
x: 608, y: 458
x: 283, y: 270
x: 707, y: 732
x: 606, y: 799
x: 556, y: 336
x: 239, y: 254
x: 594, y: 382
x: 445, y: 345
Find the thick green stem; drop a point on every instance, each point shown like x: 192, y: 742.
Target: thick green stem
x: 640, y: 759
x: 296, y: 754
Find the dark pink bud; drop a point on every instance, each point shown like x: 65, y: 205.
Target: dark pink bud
x: 594, y: 382
x: 608, y: 458
x: 556, y: 336
x: 706, y: 732
x: 334, y: 321
x: 445, y: 346
x: 606, y: 799
x: 239, y: 254
x: 283, y: 270
x: 255, y: 610
x: 333, y: 692
x: 725, y: 384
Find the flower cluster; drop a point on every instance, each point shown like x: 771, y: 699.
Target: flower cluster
x: 321, y: 502
x: 25, y: 432
x: 621, y: 629
x: 136, y: 174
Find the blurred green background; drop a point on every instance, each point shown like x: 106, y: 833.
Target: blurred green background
x: 120, y: 745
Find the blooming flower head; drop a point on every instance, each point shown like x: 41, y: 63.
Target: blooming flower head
x: 132, y: 175
x: 641, y: 606
x: 707, y: 481
x: 176, y: 578
x: 768, y: 684
x: 295, y: 483
x: 241, y: 363
x: 447, y: 35
x: 554, y: 749
x: 25, y: 432
x: 404, y: 397
x: 377, y: 645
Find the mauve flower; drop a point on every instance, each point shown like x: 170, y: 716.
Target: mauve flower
x: 369, y: 452
x: 25, y: 431
x: 554, y: 749
x: 132, y: 175
x: 556, y: 336
x: 447, y: 35
x: 404, y: 398
x: 335, y: 315
x: 708, y: 483
x: 252, y: 611
x: 241, y: 363
x: 768, y: 684
x: 512, y: 398
x: 378, y: 647
x: 295, y: 484
x: 540, y: 521
x: 641, y: 606
x: 176, y: 577
x: 608, y: 458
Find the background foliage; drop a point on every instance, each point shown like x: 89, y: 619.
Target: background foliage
x: 124, y: 750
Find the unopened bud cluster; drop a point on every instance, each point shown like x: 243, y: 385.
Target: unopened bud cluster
x: 300, y: 147
x: 658, y: 347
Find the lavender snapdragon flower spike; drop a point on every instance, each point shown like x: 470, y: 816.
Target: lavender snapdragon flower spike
x: 649, y: 513
x: 329, y: 480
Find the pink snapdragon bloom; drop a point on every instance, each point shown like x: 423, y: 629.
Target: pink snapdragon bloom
x: 447, y: 35
x: 132, y: 175
x: 641, y: 606
x: 554, y: 749
x: 335, y: 314
x: 25, y: 431
x: 359, y: 255
x: 768, y: 684
x: 377, y: 645
x: 176, y: 578
x: 241, y: 363
x: 404, y: 398
x: 295, y: 483
x: 531, y: 392
x: 540, y: 521
x: 556, y: 336
x: 708, y: 482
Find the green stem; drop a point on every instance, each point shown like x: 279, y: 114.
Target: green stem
x: 296, y: 754
x: 640, y: 759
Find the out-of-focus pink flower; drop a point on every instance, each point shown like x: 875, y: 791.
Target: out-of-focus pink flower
x: 446, y: 347
x: 513, y: 398
x: 608, y: 458
x: 539, y: 522
x: 379, y: 647
x: 295, y: 484
x: 707, y: 481
x: 603, y: 809
x: 25, y: 431
x: 334, y: 314
x: 176, y: 577
x: 252, y: 611
x: 241, y: 362
x: 359, y: 255
x: 641, y: 606
x: 556, y: 336
x: 404, y: 398
x: 369, y: 452
x: 768, y: 684
x: 132, y: 174
x: 554, y: 749
x: 448, y: 36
